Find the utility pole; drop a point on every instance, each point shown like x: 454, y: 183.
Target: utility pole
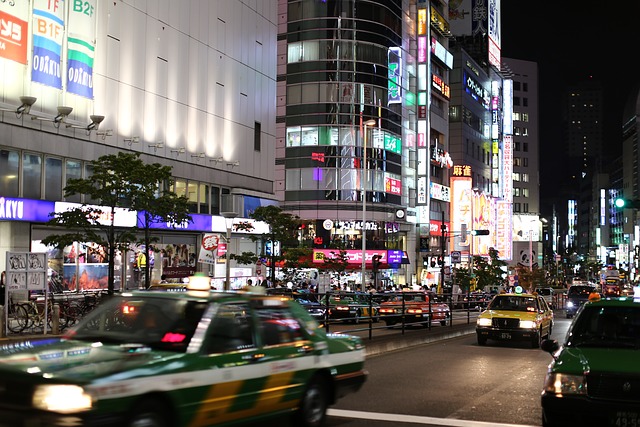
x: 443, y: 247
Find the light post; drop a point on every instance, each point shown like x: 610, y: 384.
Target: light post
x: 228, y: 220
x: 364, y: 202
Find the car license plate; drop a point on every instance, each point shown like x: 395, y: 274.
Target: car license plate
x: 507, y: 336
x: 625, y: 419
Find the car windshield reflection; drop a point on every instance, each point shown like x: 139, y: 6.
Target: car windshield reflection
x: 606, y: 327
x: 513, y: 303
x: 159, y: 323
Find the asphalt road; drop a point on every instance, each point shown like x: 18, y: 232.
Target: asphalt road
x: 449, y: 382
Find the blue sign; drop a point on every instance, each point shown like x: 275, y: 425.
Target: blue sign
x: 199, y: 222
x: 15, y: 209
x: 394, y: 257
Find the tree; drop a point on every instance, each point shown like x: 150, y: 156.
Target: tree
x: 154, y: 201
x: 489, y: 271
x: 118, y: 183
x: 529, y: 279
x: 283, y: 230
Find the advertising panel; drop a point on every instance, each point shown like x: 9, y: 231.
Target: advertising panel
x: 14, y: 31
x: 81, y: 47
x: 503, y: 230
x: 48, y: 34
x: 461, y: 205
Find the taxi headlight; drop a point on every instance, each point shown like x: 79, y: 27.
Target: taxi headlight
x: 528, y: 324
x: 565, y: 384
x: 483, y: 321
x: 61, y: 398
x: 570, y: 304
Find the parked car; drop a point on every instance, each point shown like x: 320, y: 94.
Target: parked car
x: 413, y: 307
x: 165, y: 359
x: 576, y: 296
x: 513, y: 316
x: 307, y: 299
x: 593, y: 379
x: 351, y: 306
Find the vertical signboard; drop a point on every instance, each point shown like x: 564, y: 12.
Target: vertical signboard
x: 48, y: 34
x: 81, y: 47
x: 26, y: 271
x: 14, y: 30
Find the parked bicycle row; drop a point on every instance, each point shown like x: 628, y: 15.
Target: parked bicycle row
x: 30, y: 315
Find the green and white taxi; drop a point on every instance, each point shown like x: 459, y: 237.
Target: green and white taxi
x: 594, y: 378
x: 190, y: 358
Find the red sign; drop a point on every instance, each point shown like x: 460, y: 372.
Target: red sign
x: 393, y: 186
x: 222, y: 249
x: 13, y: 38
x: 210, y: 242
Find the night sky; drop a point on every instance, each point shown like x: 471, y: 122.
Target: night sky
x: 574, y: 40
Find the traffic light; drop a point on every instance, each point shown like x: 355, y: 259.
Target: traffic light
x: 480, y: 232
x: 375, y: 261
x: 622, y: 203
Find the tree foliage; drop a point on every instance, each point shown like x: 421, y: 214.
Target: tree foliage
x: 283, y: 228
x: 118, y: 182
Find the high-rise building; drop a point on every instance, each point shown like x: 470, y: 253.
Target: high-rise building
x: 345, y: 141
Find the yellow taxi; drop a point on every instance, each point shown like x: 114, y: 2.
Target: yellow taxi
x: 515, y: 316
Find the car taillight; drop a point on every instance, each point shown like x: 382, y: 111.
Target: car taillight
x: 414, y: 311
x: 342, y: 308
x: 387, y: 310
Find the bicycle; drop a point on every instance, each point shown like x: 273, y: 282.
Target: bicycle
x: 17, y: 316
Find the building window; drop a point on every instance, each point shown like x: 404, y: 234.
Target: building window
x: 257, y: 132
x: 525, y: 117
x: 52, y: 178
x: 525, y: 207
x: 516, y: 146
x: 516, y: 85
x: 516, y: 130
x: 525, y: 102
x: 516, y: 191
x: 525, y: 132
x: 516, y: 101
x: 9, y: 172
x: 192, y: 196
x: 72, y: 170
x: 516, y: 207
x: 525, y: 162
x: 31, y: 176
x: 516, y: 161
x: 525, y: 87
x: 525, y: 177
x: 525, y: 192
x: 525, y: 146
x: 516, y: 176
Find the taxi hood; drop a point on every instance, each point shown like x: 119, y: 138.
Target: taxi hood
x: 76, y: 361
x: 579, y: 360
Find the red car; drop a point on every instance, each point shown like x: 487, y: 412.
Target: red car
x: 413, y: 307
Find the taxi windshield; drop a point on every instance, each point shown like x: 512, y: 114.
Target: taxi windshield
x: 513, y: 303
x: 160, y: 323
x: 606, y: 327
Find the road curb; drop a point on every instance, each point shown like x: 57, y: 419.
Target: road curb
x: 409, y: 339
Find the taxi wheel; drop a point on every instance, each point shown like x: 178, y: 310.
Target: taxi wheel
x: 313, y: 405
x: 535, y: 340
x: 149, y: 413
x: 482, y: 340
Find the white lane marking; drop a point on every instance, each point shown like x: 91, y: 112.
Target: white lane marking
x: 398, y: 418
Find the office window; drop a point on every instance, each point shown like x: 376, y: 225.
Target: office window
x: 525, y: 102
x: 516, y: 146
x: 525, y: 177
x: 516, y: 85
x: 72, y: 170
x: 525, y: 132
x: 516, y: 207
x: 516, y: 191
x: 257, y: 132
x: 525, y: 146
x: 525, y: 87
x: 516, y: 161
x: 204, y: 198
x: 516, y: 176
x: 192, y: 195
x: 31, y: 176
x: 516, y: 130
x: 516, y: 101
x: 52, y: 178
x: 525, y: 117
x: 525, y: 192
x: 9, y: 172
x: 525, y: 207
x: 525, y: 162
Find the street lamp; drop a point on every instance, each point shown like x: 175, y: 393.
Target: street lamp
x: 364, y: 201
x: 228, y: 220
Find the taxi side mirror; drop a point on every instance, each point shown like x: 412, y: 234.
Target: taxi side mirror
x: 550, y: 346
